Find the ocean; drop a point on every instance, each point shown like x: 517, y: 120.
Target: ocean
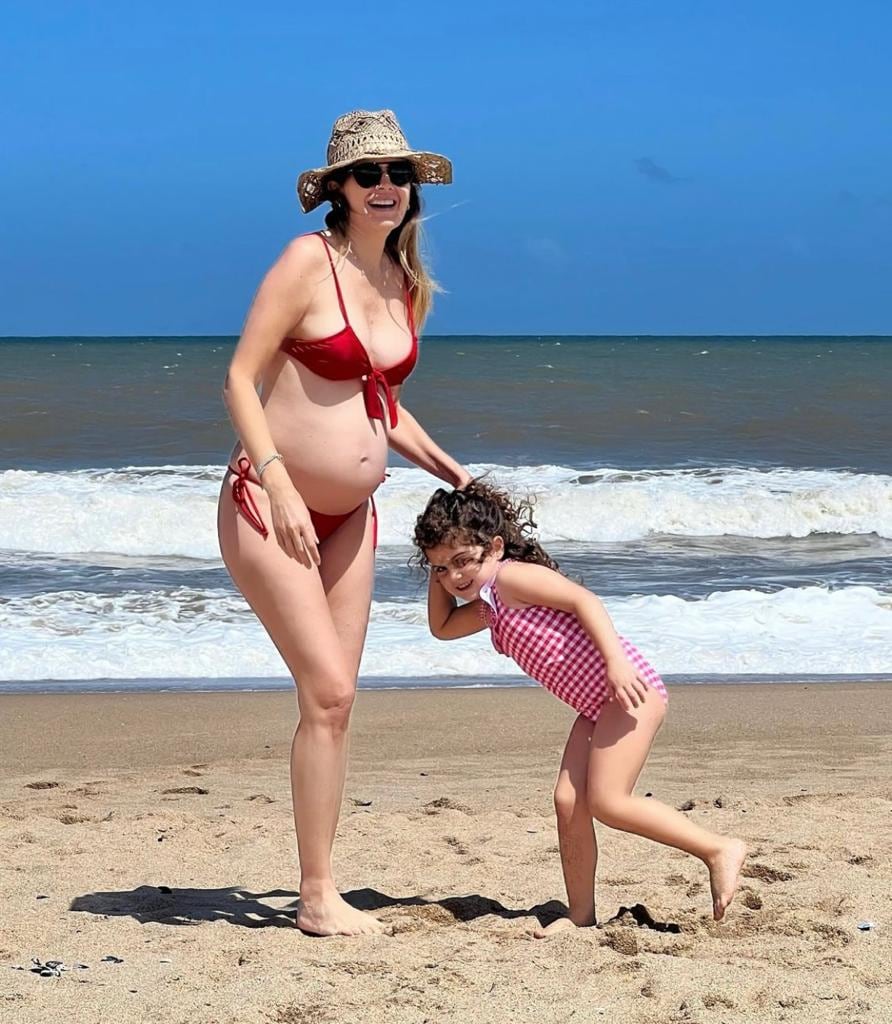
x: 730, y: 499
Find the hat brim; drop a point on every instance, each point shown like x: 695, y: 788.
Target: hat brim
x: 430, y: 169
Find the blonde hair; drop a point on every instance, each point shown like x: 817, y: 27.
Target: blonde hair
x: 403, y: 246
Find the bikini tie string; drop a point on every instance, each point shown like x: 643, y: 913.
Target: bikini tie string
x: 243, y: 497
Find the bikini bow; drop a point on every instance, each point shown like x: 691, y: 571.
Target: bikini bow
x: 374, y: 382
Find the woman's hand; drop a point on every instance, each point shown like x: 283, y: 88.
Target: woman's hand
x: 627, y: 685
x: 462, y: 479
x: 293, y: 526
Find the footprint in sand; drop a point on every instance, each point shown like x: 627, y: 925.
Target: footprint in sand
x: 456, y: 844
x: 417, y: 918
x: 765, y: 873
x: 622, y: 941
x: 833, y: 935
x: 69, y: 818
x: 791, y: 1002
x: 87, y: 790
x: 443, y: 803
x: 750, y: 899
x: 713, y: 999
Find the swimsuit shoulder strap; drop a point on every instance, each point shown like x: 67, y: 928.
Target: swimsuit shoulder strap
x: 334, y: 274
x: 410, y: 313
x: 490, y: 586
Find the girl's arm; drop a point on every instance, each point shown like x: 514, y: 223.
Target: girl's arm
x: 409, y: 439
x: 280, y: 304
x: 448, y: 620
x: 522, y: 584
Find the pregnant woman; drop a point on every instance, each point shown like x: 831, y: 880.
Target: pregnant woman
x: 330, y: 338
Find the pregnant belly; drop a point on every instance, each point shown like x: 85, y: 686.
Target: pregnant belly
x: 336, y: 456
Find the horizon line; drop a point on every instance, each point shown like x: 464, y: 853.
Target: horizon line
x: 172, y: 337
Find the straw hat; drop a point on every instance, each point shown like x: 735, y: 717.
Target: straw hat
x: 369, y: 135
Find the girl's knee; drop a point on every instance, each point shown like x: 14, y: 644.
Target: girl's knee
x: 569, y: 802
x: 608, y: 808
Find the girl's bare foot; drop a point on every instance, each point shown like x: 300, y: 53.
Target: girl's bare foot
x: 562, y: 924
x: 724, y: 875
x: 332, y: 915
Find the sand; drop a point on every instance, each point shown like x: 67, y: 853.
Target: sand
x: 156, y: 828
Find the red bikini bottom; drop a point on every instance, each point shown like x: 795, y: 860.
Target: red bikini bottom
x: 324, y: 525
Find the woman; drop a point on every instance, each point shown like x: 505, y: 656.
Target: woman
x: 329, y: 338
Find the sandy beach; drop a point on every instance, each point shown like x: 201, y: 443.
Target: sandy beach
x: 156, y: 828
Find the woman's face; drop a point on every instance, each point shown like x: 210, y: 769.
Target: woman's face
x: 384, y: 203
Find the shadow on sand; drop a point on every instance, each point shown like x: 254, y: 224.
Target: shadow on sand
x: 162, y: 904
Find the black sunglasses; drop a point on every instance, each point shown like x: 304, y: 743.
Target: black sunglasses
x: 401, y: 172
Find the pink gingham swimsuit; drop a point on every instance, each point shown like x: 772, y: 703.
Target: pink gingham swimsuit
x: 552, y: 647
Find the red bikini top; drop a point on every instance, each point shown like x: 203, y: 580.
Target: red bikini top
x: 344, y: 357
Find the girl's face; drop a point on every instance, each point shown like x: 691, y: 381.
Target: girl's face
x: 462, y: 569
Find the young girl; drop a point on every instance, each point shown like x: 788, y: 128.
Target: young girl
x: 478, y: 547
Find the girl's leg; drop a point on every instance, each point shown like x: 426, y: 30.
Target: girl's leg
x: 576, y: 836
x: 290, y: 601
x: 620, y: 744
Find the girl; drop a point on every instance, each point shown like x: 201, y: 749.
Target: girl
x: 478, y: 547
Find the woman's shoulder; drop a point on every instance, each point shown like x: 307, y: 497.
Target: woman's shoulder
x: 299, y: 268
x: 304, y: 253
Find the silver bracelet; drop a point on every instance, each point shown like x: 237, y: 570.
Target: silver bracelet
x: 275, y: 457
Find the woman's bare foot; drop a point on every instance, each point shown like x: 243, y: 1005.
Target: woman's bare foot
x: 332, y: 915
x: 562, y: 924
x: 724, y: 875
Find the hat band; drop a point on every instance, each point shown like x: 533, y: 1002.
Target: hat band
x: 358, y: 148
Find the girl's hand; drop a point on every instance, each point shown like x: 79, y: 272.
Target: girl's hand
x: 627, y: 685
x: 293, y: 526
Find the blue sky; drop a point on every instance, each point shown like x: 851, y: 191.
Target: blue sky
x: 622, y: 168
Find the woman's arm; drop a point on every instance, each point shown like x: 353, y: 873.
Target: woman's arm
x: 409, y: 439
x: 280, y: 304
x: 522, y: 584
x: 448, y: 620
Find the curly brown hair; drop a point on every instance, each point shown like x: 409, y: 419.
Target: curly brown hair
x: 475, y: 515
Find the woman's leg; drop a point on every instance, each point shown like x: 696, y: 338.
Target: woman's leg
x: 576, y: 836
x: 620, y: 744
x: 348, y: 575
x: 290, y: 601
